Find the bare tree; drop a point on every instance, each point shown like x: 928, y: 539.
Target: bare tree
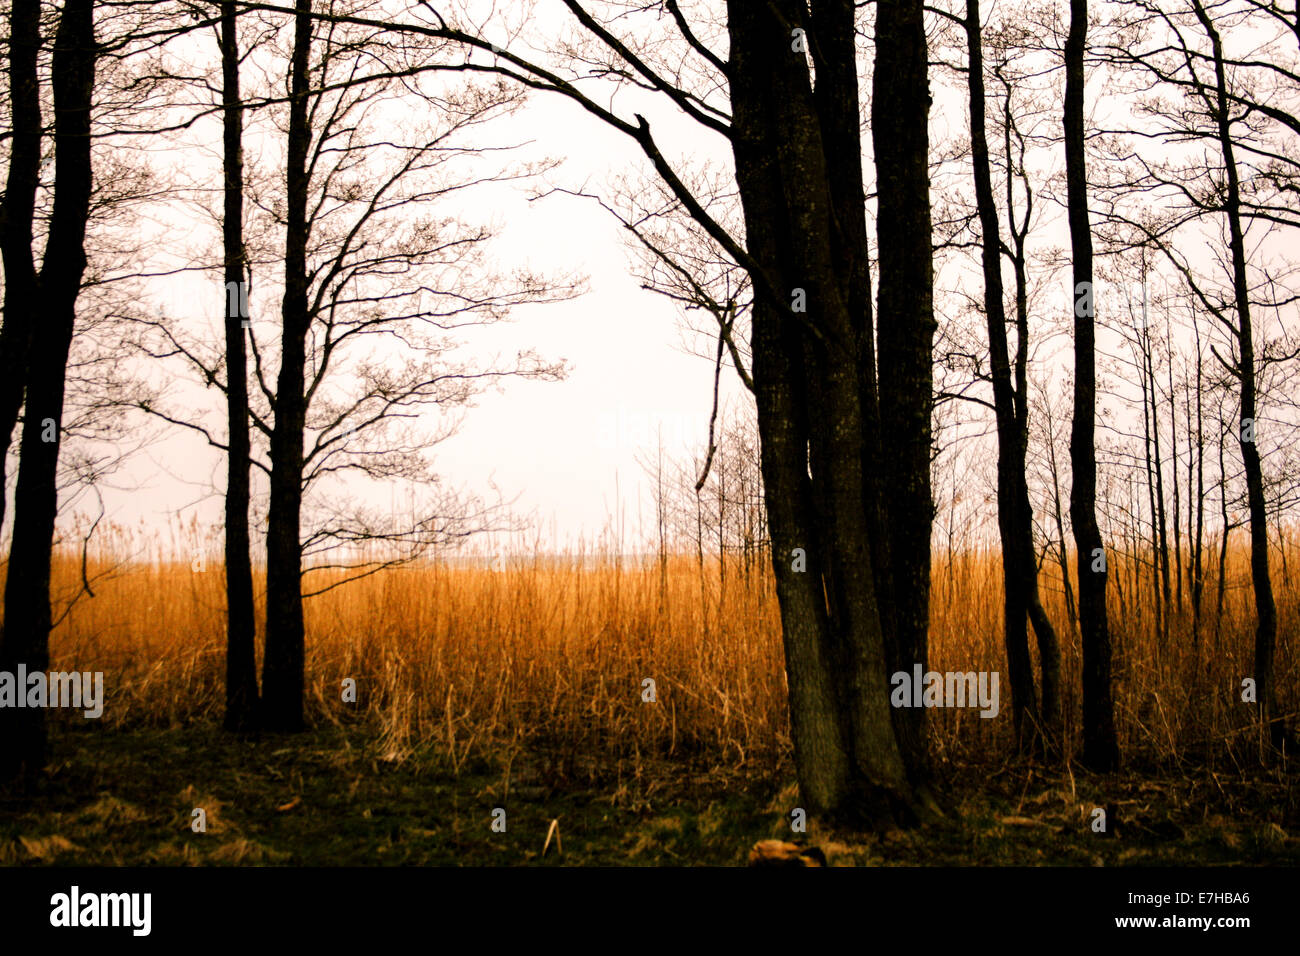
x: 242, y: 699
x: 1100, y: 748
x: 1011, y: 403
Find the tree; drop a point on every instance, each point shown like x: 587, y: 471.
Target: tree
x: 1100, y: 747
x: 1245, y: 373
x: 282, y: 667
x: 374, y: 289
x: 1011, y: 405
x: 17, y: 214
x: 1238, y: 108
x: 819, y: 407
x: 58, y: 284
x: 242, y: 701
x: 900, y: 134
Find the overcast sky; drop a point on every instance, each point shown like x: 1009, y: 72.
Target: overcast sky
x: 565, y: 453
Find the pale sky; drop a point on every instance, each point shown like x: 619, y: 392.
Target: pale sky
x: 567, y: 452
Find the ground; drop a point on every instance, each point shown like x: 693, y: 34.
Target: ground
x: 327, y: 798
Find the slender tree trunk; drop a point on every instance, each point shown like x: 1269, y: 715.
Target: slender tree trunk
x: 27, y: 588
x: 1015, y: 576
x: 1223, y: 541
x: 1173, y: 470
x: 905, y: 316
x: 17, y: 213
x: 241, y: 658
x: 1100, y: 748
x: 1049, y: 646
x: 1148, y: 404
x: 1198, y: 565
x: 1265, y: 608
x: 1160, y: 514
x: 282, y: 674
x: 1058, y: 514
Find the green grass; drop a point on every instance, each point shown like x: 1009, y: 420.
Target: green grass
x: 328, y: 798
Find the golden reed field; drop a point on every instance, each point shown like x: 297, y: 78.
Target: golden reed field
x: 554, y: 651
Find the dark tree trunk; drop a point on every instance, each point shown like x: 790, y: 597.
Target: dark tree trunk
x: 27, y: 589
x: 1223, y: 542
x: 809, y: 385
x: 1160, y: 534
x: 838, y: 103
x: 1024, y: 702
x: 905, y: 316
x: 1173, y: 470
x: 1148, y: 413
x: 1058, y: 513
x: 1049, y: 646
x: 282, y: 674
x: 17, y: 211
x: 1015, y: 516
x: 241, y: 657
x: 1265, y: 608
x: 1197, y: 558
x: 1100, y: 747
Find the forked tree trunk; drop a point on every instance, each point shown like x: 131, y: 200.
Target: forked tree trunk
x: 809, y: 384
x: 1015, y: 516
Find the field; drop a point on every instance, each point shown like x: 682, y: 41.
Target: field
x: 523, y: 688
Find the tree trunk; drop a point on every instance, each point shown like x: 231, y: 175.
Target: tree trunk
x: 1062, y: 555
x: 282, y: 673
x: 17, y: 212
x: 905, y: 315
x: 1197, y: 558
x: 1015, y: 576
x: 809, y: 388
x: 1100, y: 748
x: 1265, y: 609
x: 1148, y: 405
x: 241, y: 657
x: 1223, y: 542
x: 27, y: 589
x: 1173, y: 470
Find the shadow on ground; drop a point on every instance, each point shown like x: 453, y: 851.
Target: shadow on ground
x: 328, y: 798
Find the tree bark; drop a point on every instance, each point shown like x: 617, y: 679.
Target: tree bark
x: 809, y: 386
x: 1197, y: 557
x: 283, y: 667
x: 17, y: 213
x: 241, y: 658
x: 27, y: 588
x: 1024, y: 701
x: 1265, y: 608
x: 1100, y: 747
x: 905, y: 316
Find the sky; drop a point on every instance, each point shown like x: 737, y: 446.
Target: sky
x: 564, y: 454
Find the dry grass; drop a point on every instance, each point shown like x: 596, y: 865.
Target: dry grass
x: 554, y: 652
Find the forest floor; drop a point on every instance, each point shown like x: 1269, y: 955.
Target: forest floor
x: 326, y: 798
